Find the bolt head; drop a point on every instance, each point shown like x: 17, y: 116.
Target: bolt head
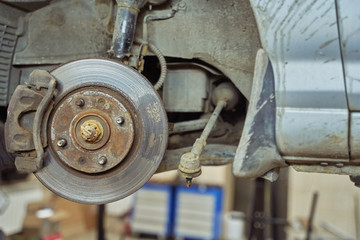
x: 102, y: 160
x: 62, y: 142
x: 120, y: 120
x: 80, y: 102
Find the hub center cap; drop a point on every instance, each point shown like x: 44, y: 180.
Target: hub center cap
x: 91, y: 130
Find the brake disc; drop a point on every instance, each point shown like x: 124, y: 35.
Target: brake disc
x: 107, y: 132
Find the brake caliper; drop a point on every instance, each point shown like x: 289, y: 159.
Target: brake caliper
x: 28, y: 113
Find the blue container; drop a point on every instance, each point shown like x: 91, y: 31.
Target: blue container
x: 153, y: 210
x: 198, y: 212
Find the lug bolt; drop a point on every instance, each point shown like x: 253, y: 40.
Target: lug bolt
x: 62, y: 142
x: 120, y: 120
x: 102, y: 160
x: 80, y: 102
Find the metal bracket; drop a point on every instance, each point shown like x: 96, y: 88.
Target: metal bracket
x: 25, y: 131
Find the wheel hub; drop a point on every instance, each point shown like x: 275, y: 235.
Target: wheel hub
x: 91, y: 130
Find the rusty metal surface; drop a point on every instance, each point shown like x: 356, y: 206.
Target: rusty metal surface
x: 26, y: 123
x: 41, y: 79
x: 189, y: 166
x: 150, y: 133
x: 19, y: 123
x: 91, y: 130
x: 213, y: 155
x: 18, y: 126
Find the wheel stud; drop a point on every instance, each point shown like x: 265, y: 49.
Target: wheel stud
x: 120, y: 120
x: 80, y: 102
x: 62, y: 142
x: 102, y: 160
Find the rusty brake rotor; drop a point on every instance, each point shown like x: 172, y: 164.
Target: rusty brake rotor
x: 107, y: 132
x: 91, y: 138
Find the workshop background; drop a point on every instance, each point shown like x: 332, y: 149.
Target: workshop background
x: 217, y: 206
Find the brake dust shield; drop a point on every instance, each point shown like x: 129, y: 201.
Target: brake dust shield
x: 107, y: 132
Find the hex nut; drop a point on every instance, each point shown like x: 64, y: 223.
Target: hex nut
x: 91, y: 131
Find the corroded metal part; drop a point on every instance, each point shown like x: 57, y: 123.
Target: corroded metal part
x: 189, y: 166
x: 145, y: 111
x: 28, y: 114
x: 18, y: 127
x: 92, y: 130
x: 213, y: 155
x: 41, y: 79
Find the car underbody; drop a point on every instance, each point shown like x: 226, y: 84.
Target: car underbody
x: 103, y: 94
